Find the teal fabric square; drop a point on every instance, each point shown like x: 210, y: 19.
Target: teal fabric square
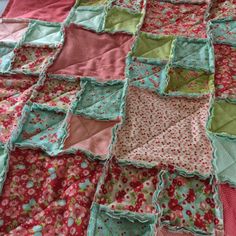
x: 3, y: 165
x: 90, y: 17
x: 42, y: 33
x: 224, y: 158
x: 145, y: 75
x: 102, y: 101
x: 193, y: 54
x: 105, y: 222
x: 42, y: 128
x: 224, y: 31
x: 6, y: 54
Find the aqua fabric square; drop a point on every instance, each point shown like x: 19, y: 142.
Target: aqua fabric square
x: 43, y: 33
x: 224, y: 158
x: 105, y: 222
x: 224, y: 31
x: 3, y: 165
x: 90, y: 17
x: 102, y: 101
x: 193, y: 54
x: 6, y: 54
x: 145, y: 74
x: 42, y: 128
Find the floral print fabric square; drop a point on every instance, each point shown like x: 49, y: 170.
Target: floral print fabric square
x: 28, y: 59
x: 175, y: 19
x: 189, y: 203
x: 152, y: 134
x: 125, y: 187
x: 49, y: 196
x: 225, y: 71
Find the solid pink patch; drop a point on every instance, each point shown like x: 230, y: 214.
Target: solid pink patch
x: 92, y: 135
x: 228, y: 197
x: 87, y: 53
x: 46, y: 10
x: 12, y: 31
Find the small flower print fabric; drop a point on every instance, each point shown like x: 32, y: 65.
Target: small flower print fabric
x: 128, y: 188
x: 45, y: 195
x: 150, y: 120
x: 183, y: 19
x: 189, y: 203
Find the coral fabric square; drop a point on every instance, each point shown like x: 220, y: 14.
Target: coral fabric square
x: 175, y: 19
x: 86, y: 53
x: 46, y: 10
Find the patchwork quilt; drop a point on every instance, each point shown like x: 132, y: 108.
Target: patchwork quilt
x: 118, y: 117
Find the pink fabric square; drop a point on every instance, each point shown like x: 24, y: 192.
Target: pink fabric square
x: 46, y: 10
x: 86, y: 53
x: 91, y: 135
x: 182, y: 19
x: 12, y: 31
x: 228, y: 198
x: 165, y: 130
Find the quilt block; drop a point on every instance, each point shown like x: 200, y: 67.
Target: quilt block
x: 117, y: 117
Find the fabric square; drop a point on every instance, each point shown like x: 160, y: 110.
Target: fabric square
x: 91, y: 136
x: 31, y: 59
x: 47, y: 10
x: 119, y: 19
x: 151, y: 134
x: 144, y: 74
x: 41, y: 33
x: 91, y: 2
x: 56, y: 94
x: 14, y: 93
x: 78, y: 57
x: 6, y: 54
x: 189, y: 82
x: 222, y: 118
x: 104, y: 222
x: 227, y: 196
x: 225, y: 158
x: 222, y: 8
x: 131, y: 5
x: 3, y: 166
x: 189, y: 203
x: 90, y: 17
x: 175, y: 19
x: 128, y: 188
x: 48, y: 196
x: 193, y: 54
x: 224, y: 31
x: 12, y: 31
x: 148, y: 46
x: 101, y: 101
x: 41, y: 128
x: 225, y: 71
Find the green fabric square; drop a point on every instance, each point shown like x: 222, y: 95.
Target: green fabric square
x: 150, y: 47
x: 41, y: 33
x: 6, y: 54
x: 224, y: 158
x: 224, y: 31
x: 105, y: 222
x: 144, y: 74
x: 42, y: 128
x: 90, y: 2
x: 91, y: 17
x: 100, y: 101
x: 193, y: 54
x: 223, y: 118
x: 183, y: 81
x: 119, y: 19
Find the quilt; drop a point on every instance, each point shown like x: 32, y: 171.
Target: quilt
x: 117, y: 117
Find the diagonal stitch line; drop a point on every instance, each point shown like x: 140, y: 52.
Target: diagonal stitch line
x: 10, y: 33
x: 163, y: 131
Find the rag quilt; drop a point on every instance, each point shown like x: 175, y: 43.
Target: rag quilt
x: 117, y: 117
